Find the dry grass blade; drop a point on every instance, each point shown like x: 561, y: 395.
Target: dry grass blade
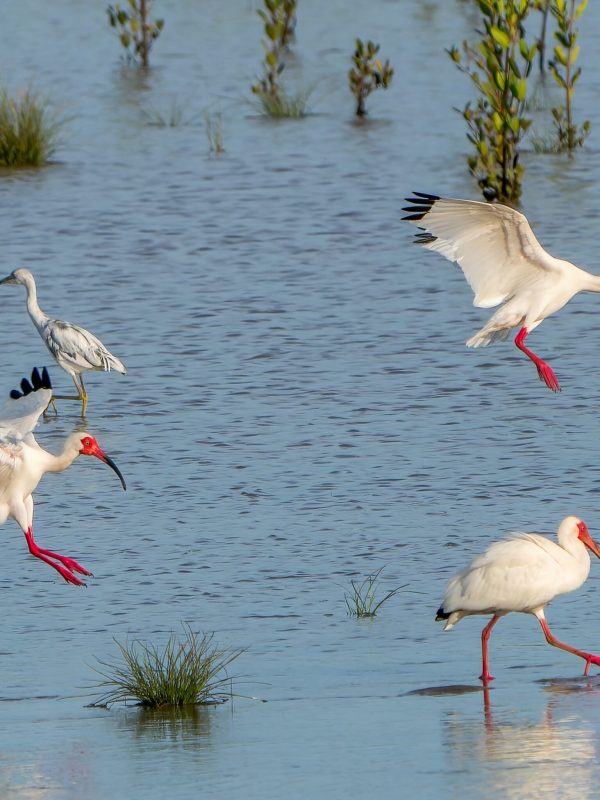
x: 181, y: 673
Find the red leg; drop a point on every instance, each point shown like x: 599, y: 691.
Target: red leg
x: 485, y: 635
x: 46, y: 556
x: 589, y: 658
x: 70, y: 563
x: 545, y: 371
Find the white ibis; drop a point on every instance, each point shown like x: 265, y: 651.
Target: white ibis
x: 73, y: 348
x: 522, y: 573
x: 23, y: 463
x: 504, y: 264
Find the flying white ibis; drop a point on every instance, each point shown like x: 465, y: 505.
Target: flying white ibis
x: 74, y: 349
x: 23, y: 463
x: 504, y: 264
x: 522, y: 573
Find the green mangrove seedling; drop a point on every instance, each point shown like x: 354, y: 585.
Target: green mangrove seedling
x: 562, y: 68
x: 136, y: 31
x: 498, y: 66
x: 367, y: 74
x: 279, y: 24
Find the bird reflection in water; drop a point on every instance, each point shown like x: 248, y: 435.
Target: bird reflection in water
x: 553, y: 758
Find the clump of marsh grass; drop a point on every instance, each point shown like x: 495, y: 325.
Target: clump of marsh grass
x: 280, y: 104
x: 28, y: 130
x: 361, y: 601
x: 182, y: 673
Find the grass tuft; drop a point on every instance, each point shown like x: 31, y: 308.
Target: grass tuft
x: 361, y: 601
x: 214, y: 133
x: 173, y: 117
x: 182, y: 673
x: 28, y: 130
x: 280, y: 104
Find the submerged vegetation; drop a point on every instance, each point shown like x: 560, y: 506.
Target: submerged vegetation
x: 28, y: 130
x: 182, y: 673
x: 498, y: 65
x: 279, y: 19
x: 361, y: 601
x: 367, y: 74
x: 136, y: 31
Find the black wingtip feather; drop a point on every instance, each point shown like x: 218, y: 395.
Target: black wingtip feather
x: 414, y: 217
x: 424, y: 238
x: 37, y: 382
x: 421, y: 205
x: 441, y: 614
x: 432, y: 197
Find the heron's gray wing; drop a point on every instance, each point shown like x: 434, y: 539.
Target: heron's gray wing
x: 79, y: 347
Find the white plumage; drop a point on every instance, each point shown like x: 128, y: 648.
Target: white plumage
x: 23, y: 463
x: 503, y: 263
x: 74, y: 349
x: 522, y: 573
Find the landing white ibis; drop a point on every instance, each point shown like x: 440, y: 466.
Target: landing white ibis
x: 504, y: 264
x: 522, y: 573
x: 74, y: 349
x: 23, y: 463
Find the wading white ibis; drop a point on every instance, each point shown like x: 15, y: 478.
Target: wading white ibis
x: 504, y: 264
x: 23, y: 463
x: 522, y: 573
x: 74, y: 349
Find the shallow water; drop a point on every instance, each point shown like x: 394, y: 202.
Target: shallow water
x: 300, y: 410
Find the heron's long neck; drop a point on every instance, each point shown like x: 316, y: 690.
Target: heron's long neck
x: 35, y: 312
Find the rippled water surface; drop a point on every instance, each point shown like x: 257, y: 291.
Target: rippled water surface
x: 299, y: 411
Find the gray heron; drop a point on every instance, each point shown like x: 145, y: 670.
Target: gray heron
x: 73, y: 348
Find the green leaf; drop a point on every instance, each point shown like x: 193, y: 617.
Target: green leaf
x: 557, y: 77
x: 573, y: 56
x: 500, y: 37
x: 580, y: 8
x: 560, y: 55
x: 500, y: 80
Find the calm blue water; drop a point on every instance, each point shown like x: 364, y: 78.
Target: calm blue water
x: 300, y: 410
